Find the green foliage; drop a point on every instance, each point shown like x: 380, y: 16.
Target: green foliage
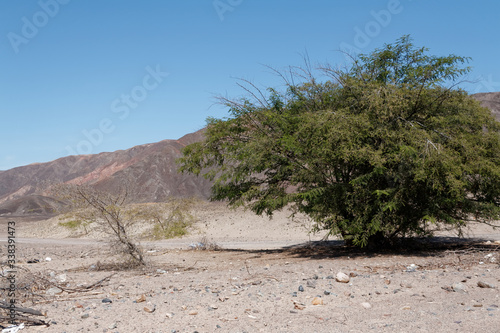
x: 77, y: 220
x: 377, y: 151
x: 75, y: 224
x: 171, y: 219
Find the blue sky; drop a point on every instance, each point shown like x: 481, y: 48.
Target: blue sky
x: 91, y: 76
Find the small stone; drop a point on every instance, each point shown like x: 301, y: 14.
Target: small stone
x: 405, y: 285
x: 150, y: 309
x: 330, y: 277
x: 141, y: 299
x: 366, y: 305
x: 169, y: 315
x: 311, y: 284
x: 412, y: 268
x: 85, y: 316
x: 193, y: 313
x: 353, y: 274
x: 342, y: 277
x: 107, y: 300
x: 301, y: 288
x: 112, y: 326
x: 53, y: 291
x: 298, y: 306
x: 327, y: 292
x: 459, y: 288
x: 482, y: 284
x: 387, y: 282
x: 214, y: 307
x: 317, y: 301
x: 407, y: 307
x: 478, y: 305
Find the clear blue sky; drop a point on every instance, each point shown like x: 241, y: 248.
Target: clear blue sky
x: 80, y: 76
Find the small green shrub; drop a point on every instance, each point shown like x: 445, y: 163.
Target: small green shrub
x: 171, y: 219
x: 73, y: 224
x: 172, y: 230
x: 76, y: 222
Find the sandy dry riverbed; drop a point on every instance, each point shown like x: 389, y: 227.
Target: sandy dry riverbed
x: 268, y: 276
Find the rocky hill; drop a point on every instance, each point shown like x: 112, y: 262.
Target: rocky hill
x: 148, y: 171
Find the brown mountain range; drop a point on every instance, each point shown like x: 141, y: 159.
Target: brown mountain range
x: 148, y: 170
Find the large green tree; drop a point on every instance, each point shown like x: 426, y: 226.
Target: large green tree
x: 388, y: 147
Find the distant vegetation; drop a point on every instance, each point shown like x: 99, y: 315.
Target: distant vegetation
x: 387, y: 148
x: 112, y: 215
x: 170, y: 219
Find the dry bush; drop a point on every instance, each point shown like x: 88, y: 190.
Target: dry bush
x: 90, y: 206
x: 30, y: 286
x: 170, y: 219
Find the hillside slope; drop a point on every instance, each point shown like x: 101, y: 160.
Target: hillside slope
x: 149, y: 173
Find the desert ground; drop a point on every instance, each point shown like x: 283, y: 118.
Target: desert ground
x: 257, y: 275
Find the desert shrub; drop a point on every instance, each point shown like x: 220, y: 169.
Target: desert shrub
x: 76, y: 221
x: 170, y: 219
x: 388, y: 147
x: 109, y: 212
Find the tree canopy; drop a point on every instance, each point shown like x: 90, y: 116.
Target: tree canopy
x: 385, y: 148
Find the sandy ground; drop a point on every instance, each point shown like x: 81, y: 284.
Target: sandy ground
x: 269, y: 276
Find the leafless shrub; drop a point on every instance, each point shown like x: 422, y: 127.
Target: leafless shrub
x: 108, y: 211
